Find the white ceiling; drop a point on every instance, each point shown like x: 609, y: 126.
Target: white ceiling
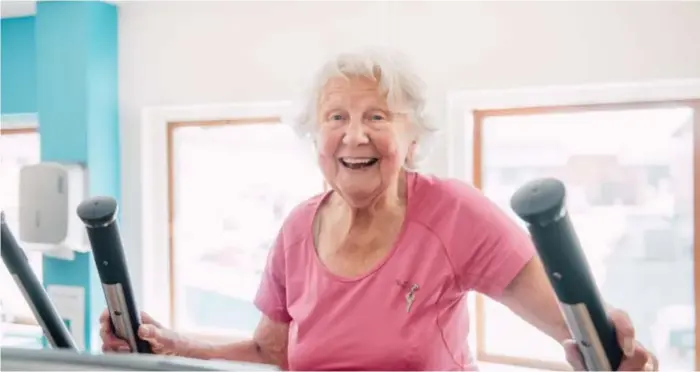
x: 17, y: 8
x: 21, y: 8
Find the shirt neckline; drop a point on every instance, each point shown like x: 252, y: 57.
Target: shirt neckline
x: 410, y: 181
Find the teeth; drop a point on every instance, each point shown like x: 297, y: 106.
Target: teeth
x: 357, y: 160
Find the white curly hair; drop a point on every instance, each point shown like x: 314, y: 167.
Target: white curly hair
x: 393, y: 74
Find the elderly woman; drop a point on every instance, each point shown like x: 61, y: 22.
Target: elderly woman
x: 373, y: 274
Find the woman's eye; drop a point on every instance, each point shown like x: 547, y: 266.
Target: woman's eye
x: 377, y: 117
x: 336, y: 117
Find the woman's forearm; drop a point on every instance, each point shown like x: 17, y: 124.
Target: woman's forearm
x: 267, y: 346
x: 239, y: 351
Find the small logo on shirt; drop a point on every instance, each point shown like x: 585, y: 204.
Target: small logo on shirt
x: 411, y: 289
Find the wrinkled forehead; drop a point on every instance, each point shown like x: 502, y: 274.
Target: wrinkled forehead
x: 358, y: 93
x: 342, y: 90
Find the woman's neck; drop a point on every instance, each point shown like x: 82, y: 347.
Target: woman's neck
x: 389, y: 205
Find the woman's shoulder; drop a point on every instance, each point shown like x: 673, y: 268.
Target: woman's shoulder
x: 299, y: 220
x: 443, y: 201
x: 440, y: 192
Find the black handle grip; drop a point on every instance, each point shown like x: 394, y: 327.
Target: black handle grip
x: 99, y: 214
x: 44, y: 311
x: 541, y: 204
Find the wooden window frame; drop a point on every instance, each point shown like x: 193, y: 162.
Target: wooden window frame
x: 170, y: 136
x: 479, y: 117
x: 11, y: 131
x: 21, y: 319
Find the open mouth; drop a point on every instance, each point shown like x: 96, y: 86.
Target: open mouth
x: 358, y: 163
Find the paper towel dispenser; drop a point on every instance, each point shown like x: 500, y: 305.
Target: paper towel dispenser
x: 49, y: 193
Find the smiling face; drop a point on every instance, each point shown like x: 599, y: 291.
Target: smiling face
x: 362, y: 143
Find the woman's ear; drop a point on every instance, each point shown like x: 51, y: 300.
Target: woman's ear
x: 410, y: 154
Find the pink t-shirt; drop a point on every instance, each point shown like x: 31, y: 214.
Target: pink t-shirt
x: 454, y: 240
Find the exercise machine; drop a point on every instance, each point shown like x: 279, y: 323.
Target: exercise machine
x: 542, y: 205
x: 17, y: 359
x: 15, y: 260
x: 64, y: 355
x: 99, y: 214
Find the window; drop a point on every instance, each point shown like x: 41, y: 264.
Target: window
x: 18, y: 147
x: 232, y: 183
x: 630, y: 182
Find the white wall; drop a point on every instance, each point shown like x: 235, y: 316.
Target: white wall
x: 185, y: 53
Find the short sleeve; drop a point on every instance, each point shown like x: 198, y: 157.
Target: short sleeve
x: 490, y: 248
x: 271, y: 298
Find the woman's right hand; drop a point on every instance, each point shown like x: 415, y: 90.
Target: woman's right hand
x: 163, y: 341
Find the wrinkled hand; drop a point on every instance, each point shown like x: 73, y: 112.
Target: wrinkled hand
x: 163, y: 341
x: 636, y: 357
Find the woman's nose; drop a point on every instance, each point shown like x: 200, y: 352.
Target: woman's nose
x: 355, y: 133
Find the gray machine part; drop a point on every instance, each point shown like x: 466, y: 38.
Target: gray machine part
x: 16, y: 359
x: 116, y: 303
x: 585, y: 334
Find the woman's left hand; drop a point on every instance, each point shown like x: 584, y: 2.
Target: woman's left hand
x: 636, y: 357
